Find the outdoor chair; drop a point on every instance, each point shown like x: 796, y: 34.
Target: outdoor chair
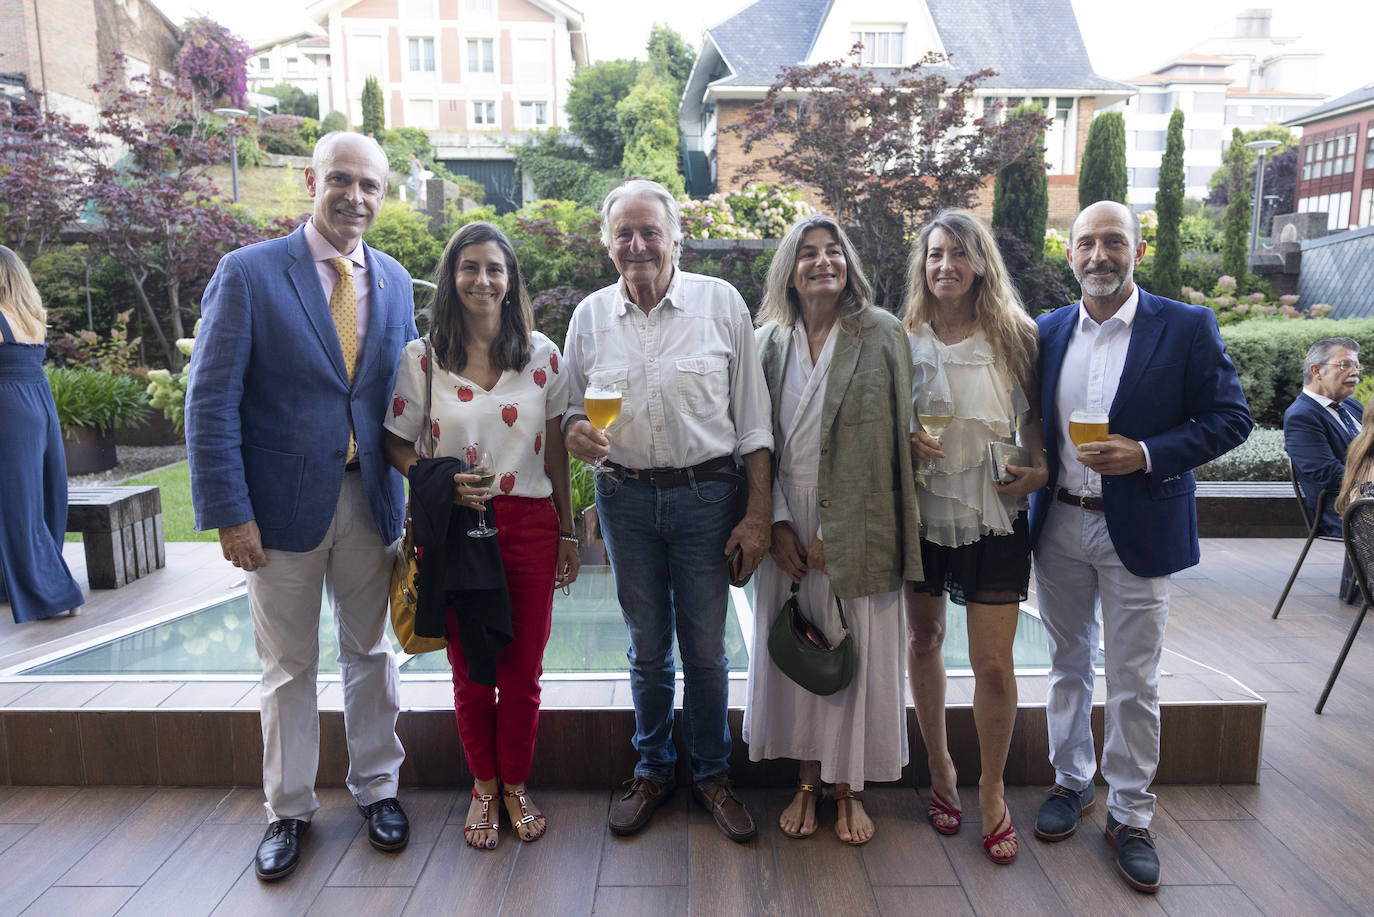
x: 1312, y: 519
x: 1357, y: 525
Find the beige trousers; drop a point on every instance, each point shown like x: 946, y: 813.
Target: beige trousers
x: 352, y: 566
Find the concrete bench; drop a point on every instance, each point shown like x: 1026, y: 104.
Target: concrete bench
x: 121, y: 530
x: 1248, y: 509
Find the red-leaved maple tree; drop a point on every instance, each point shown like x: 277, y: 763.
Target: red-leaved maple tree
x: 884, y: 148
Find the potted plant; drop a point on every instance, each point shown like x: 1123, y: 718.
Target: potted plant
x: 591, y: 548
x: 91, y: 405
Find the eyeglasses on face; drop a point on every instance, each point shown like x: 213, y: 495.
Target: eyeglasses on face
x: 1345, y: 366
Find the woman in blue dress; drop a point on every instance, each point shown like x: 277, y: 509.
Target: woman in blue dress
x: 34, y: 578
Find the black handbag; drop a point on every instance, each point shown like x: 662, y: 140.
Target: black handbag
x: 801, y: 651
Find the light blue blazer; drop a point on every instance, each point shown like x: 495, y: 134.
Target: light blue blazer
x: 269, y: 405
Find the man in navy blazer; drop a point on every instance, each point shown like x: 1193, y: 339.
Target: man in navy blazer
x: 1320, y: 423
x: 283, y: 429
x: 1118, y: 517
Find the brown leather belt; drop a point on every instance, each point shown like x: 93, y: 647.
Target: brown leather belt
x: 716, y: 469
x: 1089, y: 503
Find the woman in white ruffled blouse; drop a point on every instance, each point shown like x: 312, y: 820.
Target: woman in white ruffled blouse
x: 970, y: 338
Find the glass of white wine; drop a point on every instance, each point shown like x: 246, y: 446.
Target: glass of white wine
x: 934, y: 412
x: 486, y: 473
x: 602, y: 407
x: 1087, y: 427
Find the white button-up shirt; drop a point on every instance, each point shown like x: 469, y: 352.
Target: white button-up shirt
x: 1088, y: 380
x: 688, y: 373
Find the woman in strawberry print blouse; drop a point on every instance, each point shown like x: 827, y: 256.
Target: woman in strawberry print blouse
x: 497, y: 386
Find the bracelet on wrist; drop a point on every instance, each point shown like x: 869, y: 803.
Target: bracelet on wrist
x: 563, y: 536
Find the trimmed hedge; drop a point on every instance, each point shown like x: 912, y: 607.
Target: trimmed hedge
x: 1268, y: 355
x: 1259, y: 458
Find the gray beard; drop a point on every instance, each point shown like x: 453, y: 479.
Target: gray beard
x: 1100, y: 287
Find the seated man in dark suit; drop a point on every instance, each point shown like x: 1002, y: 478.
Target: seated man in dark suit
x: 1321, y: 422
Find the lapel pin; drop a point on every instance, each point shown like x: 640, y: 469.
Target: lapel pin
x: 380, y: 283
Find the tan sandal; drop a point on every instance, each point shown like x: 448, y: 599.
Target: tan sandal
x: 484, y: 821
x: 844, y: 801
x: 816, y: 794
x: 526, y: 817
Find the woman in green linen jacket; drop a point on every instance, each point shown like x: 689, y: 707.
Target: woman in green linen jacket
x: 845, y: 523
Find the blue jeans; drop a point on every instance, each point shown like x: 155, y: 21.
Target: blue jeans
x: 667, y: 551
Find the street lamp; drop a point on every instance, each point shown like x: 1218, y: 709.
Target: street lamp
x: 231, y: 114
x: 1260, y: 146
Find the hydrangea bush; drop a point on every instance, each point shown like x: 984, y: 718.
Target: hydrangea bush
x: 761, y: 211
x: 1231, y: 307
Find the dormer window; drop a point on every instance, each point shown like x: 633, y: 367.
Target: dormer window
x: 882, y: 45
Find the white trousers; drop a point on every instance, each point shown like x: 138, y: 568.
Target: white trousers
x: 1077, y: 572
x: 353, y: 565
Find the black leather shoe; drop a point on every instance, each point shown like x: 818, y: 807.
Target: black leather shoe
x: 387, y: 826
x: 1136, y: 859
x: 280, y: 849
x: 1059, y: 814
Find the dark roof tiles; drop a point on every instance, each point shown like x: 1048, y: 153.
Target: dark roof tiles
x: 1032, y: 44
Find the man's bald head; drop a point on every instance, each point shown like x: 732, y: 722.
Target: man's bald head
x: 1121, y: 211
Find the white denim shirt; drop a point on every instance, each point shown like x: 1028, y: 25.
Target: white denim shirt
x: 688, y: 373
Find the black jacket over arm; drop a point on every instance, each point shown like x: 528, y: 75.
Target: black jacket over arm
x: 457, y: 570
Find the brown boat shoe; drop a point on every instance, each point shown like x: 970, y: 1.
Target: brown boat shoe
x: 718, y: 797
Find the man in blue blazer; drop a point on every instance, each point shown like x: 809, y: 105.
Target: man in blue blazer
x: 1118, y: 517
x: 1320, y: 423
x: 291, y: 375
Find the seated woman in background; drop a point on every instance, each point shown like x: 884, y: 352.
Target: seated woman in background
x: 34, y: 578
x: 495, y: 389
x: 1359, y: 466
x: 839, y: 374
x: 974, y: 345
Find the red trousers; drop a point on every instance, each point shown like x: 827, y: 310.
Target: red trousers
x: 497, y: 725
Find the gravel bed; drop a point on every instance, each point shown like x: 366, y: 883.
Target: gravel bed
x: 133, y: 461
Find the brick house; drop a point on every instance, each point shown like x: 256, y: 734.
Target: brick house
x: 1336, y: 164
x: 63, y: 46
x: 1034, y: 46
x: 470, y: 72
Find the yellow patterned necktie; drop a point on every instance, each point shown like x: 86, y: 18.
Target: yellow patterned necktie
x: 343, y: 305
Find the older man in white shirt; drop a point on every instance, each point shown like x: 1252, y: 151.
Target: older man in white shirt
x: 679, y: 348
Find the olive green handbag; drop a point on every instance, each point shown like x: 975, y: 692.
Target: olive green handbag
x: 801, y: 651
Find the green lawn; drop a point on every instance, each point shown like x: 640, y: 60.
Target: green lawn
x: 178, y: 523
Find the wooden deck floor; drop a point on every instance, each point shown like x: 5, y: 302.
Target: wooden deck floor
x: 1298, y: 842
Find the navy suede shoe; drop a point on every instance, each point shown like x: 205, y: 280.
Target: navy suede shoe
x: 1059, y: 814
x: 1136, y: 859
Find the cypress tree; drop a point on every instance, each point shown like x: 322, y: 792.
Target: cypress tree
x: 1103, y: 173
x: 374, y: 119
x: 1168, y: 275
x: 1237, y: 228
x: 1020, y: 195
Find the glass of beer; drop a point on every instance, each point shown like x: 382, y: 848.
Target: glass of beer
x: 934, y: 412
x: 1087, y: 427
x: 486, y: 473
x: 602, y: 407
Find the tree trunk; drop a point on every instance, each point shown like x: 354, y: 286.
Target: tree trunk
x: 173, y: 355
